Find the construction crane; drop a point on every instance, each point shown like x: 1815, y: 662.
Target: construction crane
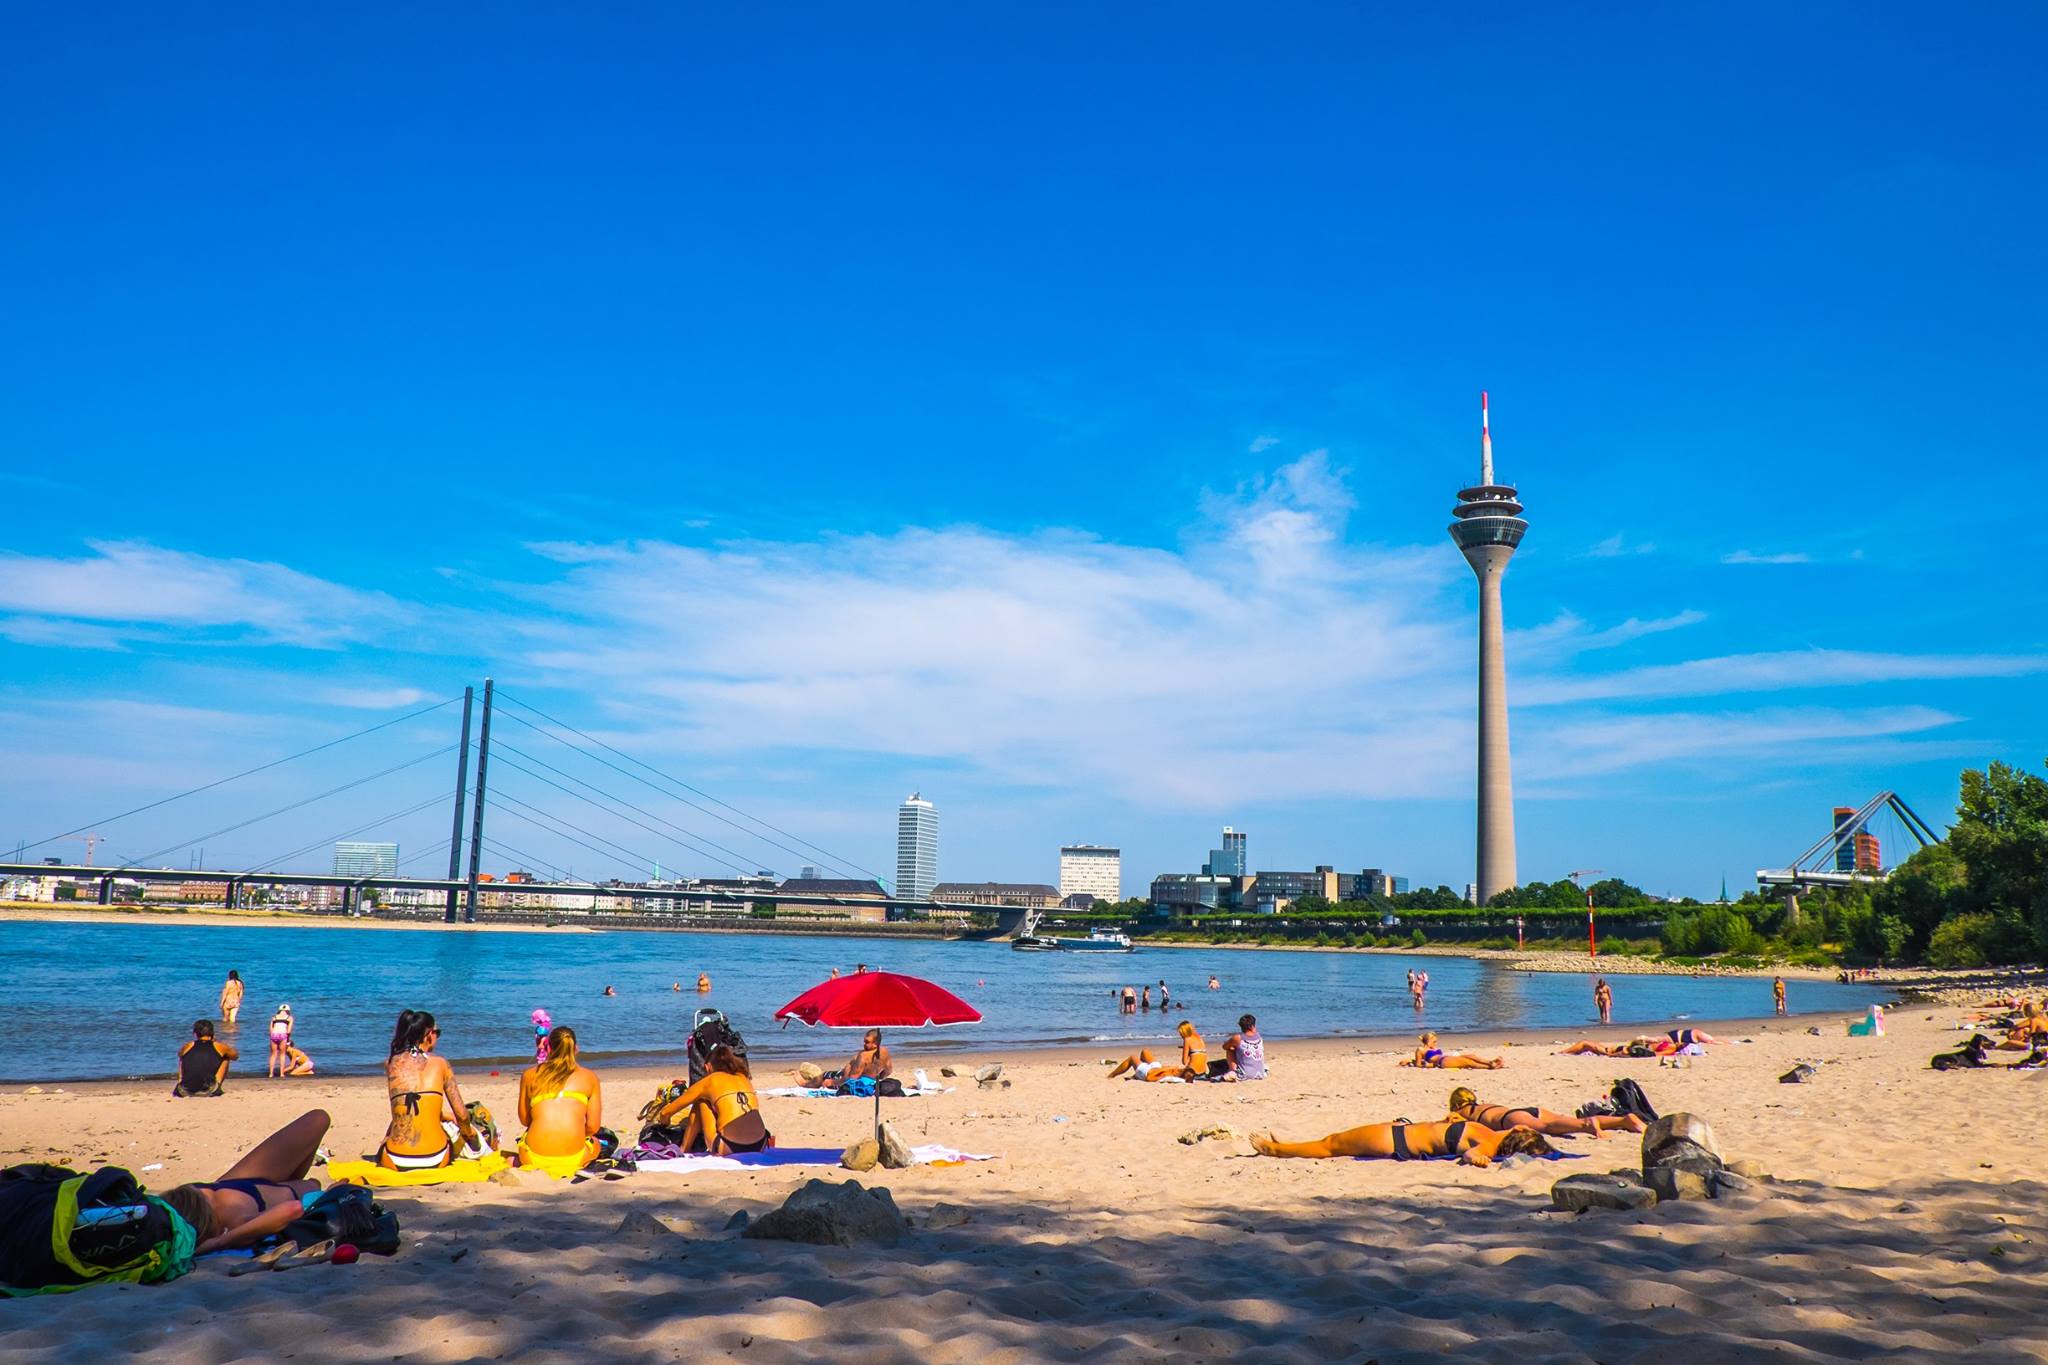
x: 91, y: 842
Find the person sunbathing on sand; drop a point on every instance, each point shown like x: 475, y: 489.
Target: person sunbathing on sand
x: 1686, y: 1037
x: 1193, y: 1064
x: 1472, y: 1143
x: 1434, y: 1058
x: 562, y: 1106
x: 725, y: 1113
x: 872, y: 1061
x: 1634, y: 1047
x: 1502, y: 1117
x: 260, y: 1195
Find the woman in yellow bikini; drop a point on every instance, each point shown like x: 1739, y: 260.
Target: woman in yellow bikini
x: 424, y: 1099
x: 725, y: 1113
x: 562, y: 1108
x: 1472, y: 1143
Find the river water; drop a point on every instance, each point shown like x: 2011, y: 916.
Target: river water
x: 87, y: 1000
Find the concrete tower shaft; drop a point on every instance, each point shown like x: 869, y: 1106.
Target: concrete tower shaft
x: 1489, y: 526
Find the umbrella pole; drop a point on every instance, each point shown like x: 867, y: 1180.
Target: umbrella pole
x: 878, y: 1112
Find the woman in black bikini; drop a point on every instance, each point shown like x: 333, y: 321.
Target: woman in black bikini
x: 1466, y: 1105
x: 261, y: 1194
x: 424, y: 1098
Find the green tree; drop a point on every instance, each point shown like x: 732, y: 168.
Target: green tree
x: 1923, y: 891
x: 1613, y: 893
x: 2001, y: 835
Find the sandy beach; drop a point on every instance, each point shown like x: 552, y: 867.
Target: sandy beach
x: 1902, y: 1222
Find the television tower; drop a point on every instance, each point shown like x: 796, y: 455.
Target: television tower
x: 1489, y: 526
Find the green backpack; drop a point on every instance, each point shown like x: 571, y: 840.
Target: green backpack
x: 60, y: 1230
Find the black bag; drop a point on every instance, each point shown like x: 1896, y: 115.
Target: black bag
x: 117, y: 1224
x: 347, y: 1213
x: 889, y: 1088
x: 712, y: 1030
x: 1630, y: 1099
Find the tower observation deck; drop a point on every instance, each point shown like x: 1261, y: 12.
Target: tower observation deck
x: 1488, y: 527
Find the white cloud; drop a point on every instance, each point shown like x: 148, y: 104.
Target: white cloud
x: 134, y: 584
x: 1614, y: 547
x: 1261, y: 444
x: 371, y: 698
x: 1751, y: 557
x: 1775, y: 672
x: 1614, y: 743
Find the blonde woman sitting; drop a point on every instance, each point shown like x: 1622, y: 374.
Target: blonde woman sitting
x: 1192, y: 1066
x: 562, y: 1107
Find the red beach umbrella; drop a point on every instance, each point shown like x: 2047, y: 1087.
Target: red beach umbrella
x: 879, y: 1000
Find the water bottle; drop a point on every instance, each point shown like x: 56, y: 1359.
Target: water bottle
x: 108, y: 1218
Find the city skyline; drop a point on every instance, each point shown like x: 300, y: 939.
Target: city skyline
x: 1161, y: 550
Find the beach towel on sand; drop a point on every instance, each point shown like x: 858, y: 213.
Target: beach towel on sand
x: 462, y: 1172
x: 807, y: 1092
x: 931, y: 1154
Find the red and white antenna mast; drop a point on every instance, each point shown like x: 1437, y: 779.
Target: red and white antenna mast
x: 1485, y: 443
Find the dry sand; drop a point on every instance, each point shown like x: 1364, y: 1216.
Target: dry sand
x: 1907, y: 1222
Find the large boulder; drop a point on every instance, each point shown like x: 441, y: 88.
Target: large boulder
x: 1676, y: 1182
x: 1621, y: 1190
x: 1682, y: 1141
x: 895, y: 1152
x: 825, y: 1214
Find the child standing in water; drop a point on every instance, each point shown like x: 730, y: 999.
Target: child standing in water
x: 280, y: 1041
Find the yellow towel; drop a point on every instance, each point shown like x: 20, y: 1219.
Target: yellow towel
x: 560, y: 1167
x: 370, y: 1173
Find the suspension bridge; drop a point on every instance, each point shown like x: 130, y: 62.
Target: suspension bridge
x: 1832, y: 859
x: 479, y: 801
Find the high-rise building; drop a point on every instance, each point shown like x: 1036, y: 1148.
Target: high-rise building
x: 917, y: 848
x: 1091, y: 870
x: 1489, y: 526
x: 1845, y: 852
x: 1229, y: 860
x: 1859, y: 852
x: 365, y: 860
x: 809, y: 873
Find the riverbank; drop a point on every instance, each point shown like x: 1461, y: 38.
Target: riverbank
x: 37, y: 912
x: 1096, y: 1233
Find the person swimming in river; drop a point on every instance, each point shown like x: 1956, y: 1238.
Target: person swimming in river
x: 1504, y: 1117
x: 1434, y: 1058
x: 1192, y: 1066
x: 1472, y: 1143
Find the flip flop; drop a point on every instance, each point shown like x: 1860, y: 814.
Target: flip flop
x: 262, y: 1260
x: 318, y: 1253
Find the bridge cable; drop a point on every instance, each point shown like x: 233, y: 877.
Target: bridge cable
x: 736, y: 867
x: 634, y: 860
x: 439, y: 798
x: 257, y: 819
x: 826, y: 853
x: 263, y: 767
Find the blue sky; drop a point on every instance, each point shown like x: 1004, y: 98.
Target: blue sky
x: 1051, y: 410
